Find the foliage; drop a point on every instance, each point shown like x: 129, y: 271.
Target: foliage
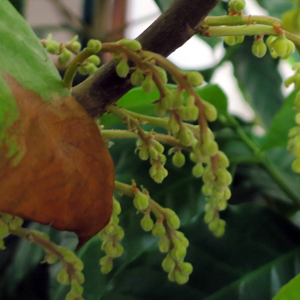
x: 256, y: 256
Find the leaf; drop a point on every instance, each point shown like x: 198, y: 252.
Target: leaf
x: 246, y: 263
x: 290, y: 291
x: 283, y: 121
x: 259, y: 80
x: 54, y: 165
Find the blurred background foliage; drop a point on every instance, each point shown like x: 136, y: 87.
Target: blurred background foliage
x: 259, y: 252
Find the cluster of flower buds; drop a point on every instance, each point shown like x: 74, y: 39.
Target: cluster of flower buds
x: 71, y: 273
x: 259, y: 48
x: 7, y: 223
x: 294, y: 137
x: 237, y: 5
x: 111, y: 235
x: 63, y: 50
x: 232, y: 40
x: 90, y: 65
x: 171, y: 241
x: 280, y: 46
x: 295, y: 78
x: 154, y: 150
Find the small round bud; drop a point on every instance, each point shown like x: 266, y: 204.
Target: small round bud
x: 64, y: 57
x: 259, y: 48
x: 173, y: 126
x: 147, y: 223
x: 195, y: 78
x: 168, y: 264
x: 178, y: 159
x: 239, y: 39
x: 185, y: 268
x: 164, y: 244
x: 186, y: 136
x: 63, y: 277
x: 178, y: 253
x: 116, y: 207
x: 68, y: 255
x: 119, y: 233
x: 214, y: 225
x: 80, y: 277
x: 160, y: 111
x: 52, y: 47
x: 173, y: 221
x: 137, y: 78
x: 160, y: 175
x: 158, y: 229
x: 224, y: 176
x: 122, y: 69
x: 51, y: 258
x: 206, y: 190
x: 140, y: 201
x: 76, y: 288
x: 280, y: 46
x: 158, y: 146
x: 94, y: 46
x: 76, y: 46
x: 143, y: 153
x: 105, y: 269
x: 94, y: 59
x: 210, y: 112
x: 148, y: 84
x: 230, y: 40
x: 223, y: 161
x: 180, y: 278
x: 131, y: 44
x: 209, y: 216
x: 198, y: 170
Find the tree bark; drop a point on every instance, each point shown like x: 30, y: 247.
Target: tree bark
x: 169, y: 32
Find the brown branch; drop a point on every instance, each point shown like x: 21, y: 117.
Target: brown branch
x: 169, y: 32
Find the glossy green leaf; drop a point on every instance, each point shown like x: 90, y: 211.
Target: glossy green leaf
x: 283, y: 121
x: 247, y: 263
x: 259, y: 81
x: 290, y: 291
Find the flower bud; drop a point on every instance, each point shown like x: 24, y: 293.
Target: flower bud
x: 178, y: 253
x: 133, y: 45
x: 68, y: 255
x: 140, y: 201
x: 210, y: 112
x: 281, y: 46
x: 259, y: 48
x: 195, y: 78
x: 105, y: 269
x: 209, y: 216
x: 148, y: 84
x: 158, y: 229
x: 6, y: 218
x: 63, y: 277
x: 160, y: 175
x: 164, y: 244
x: 137, y: 78
x: 76, y: 46
x: 173, y: 221
x: 160, y: 111
x: 214, y: 225
x: 186, y: 136
x: 52, y: 47
x: 64, y: 57
x: 144, y: 154
x: 94, y: 46
x: 122, y: 68
x: 76, y: 288
x: 173, y: 126
x: 116, y: 207
x: 51, y: 258
x: 296, y: 165
x: 168, y: 263
x: 180, y: 278
x: 239, y: 39
x: 4, y: 231
x: 185, y: 268
x: 80, y: 277
x: 94, y: 59
x: 198, y: 170
x: 206, y: 190
x: 230, y: 40
x: 158, y: 146
x: 178, y: 159
x: 147, y: 223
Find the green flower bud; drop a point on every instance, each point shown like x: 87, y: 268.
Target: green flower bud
x: 51, y: 258
x: 160, y: 175
x: 164, y: 244
x: 160, y: 111
x: 198, y: 170
x: 230, y: 40
x: 185, y: 268
x: 222, y: 204
x: 210, y: 112
x: 173, y: 221
x: 94, y: 46
x: 167, y: 101
x: 180, y: 278
x: 70, y: 296
x: 184, y: 113
x: 186, y: 136
x: 153, y: 152
x: 281, y: 46
x: 227, y: 194
x: 52, y: 47
x: 119, y: 233
x: 177, y: 100
x: 94, y: 59
x: 224, y: 176
x: 178, y: 253
x: 63, y: 277
x: 76, y: 288
x: 78, y: 265
x: 209, y: 216
x: 158, y: 146
x: 173, y: 126
x: 152, y: 171
x: 195, y: 78
x: 136, y: 78
x: 193, y: 113
x: 131, y: 44
x: 147, y: 223
x: 171, y: 276
x: 168, y: 263
x: 158, y: 229
x: 239, y: 39
x: 178, y: 159
x: 206, y: 190
x: 103, y: 235
x: 64, y: 57
x: 162, y: 74
x: 110, y: 228
x: 143, y: 153
x: 80, y: 277
x: 223, y: 161
x: 68, y: 255
x: 76, y: 46
x: 4, y: 231
x: 259, y: 48
x: 214, y: 225
x: 148, y: 84
x: 122, y: 68
x: 140, y: 201
x: 116, y: 207
x: 16, y: 223
x: 105, y: 269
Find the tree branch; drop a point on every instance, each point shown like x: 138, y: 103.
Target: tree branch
x: 169, y: 32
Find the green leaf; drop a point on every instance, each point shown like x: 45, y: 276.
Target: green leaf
x: 246, y: 263
x: 259, y: 81
x: 290, y: 291
x: 283, y: 121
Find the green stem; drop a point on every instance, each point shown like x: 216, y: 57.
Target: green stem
x: 73, y: 67
x: 240, y: 20
x: 124, y: 134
